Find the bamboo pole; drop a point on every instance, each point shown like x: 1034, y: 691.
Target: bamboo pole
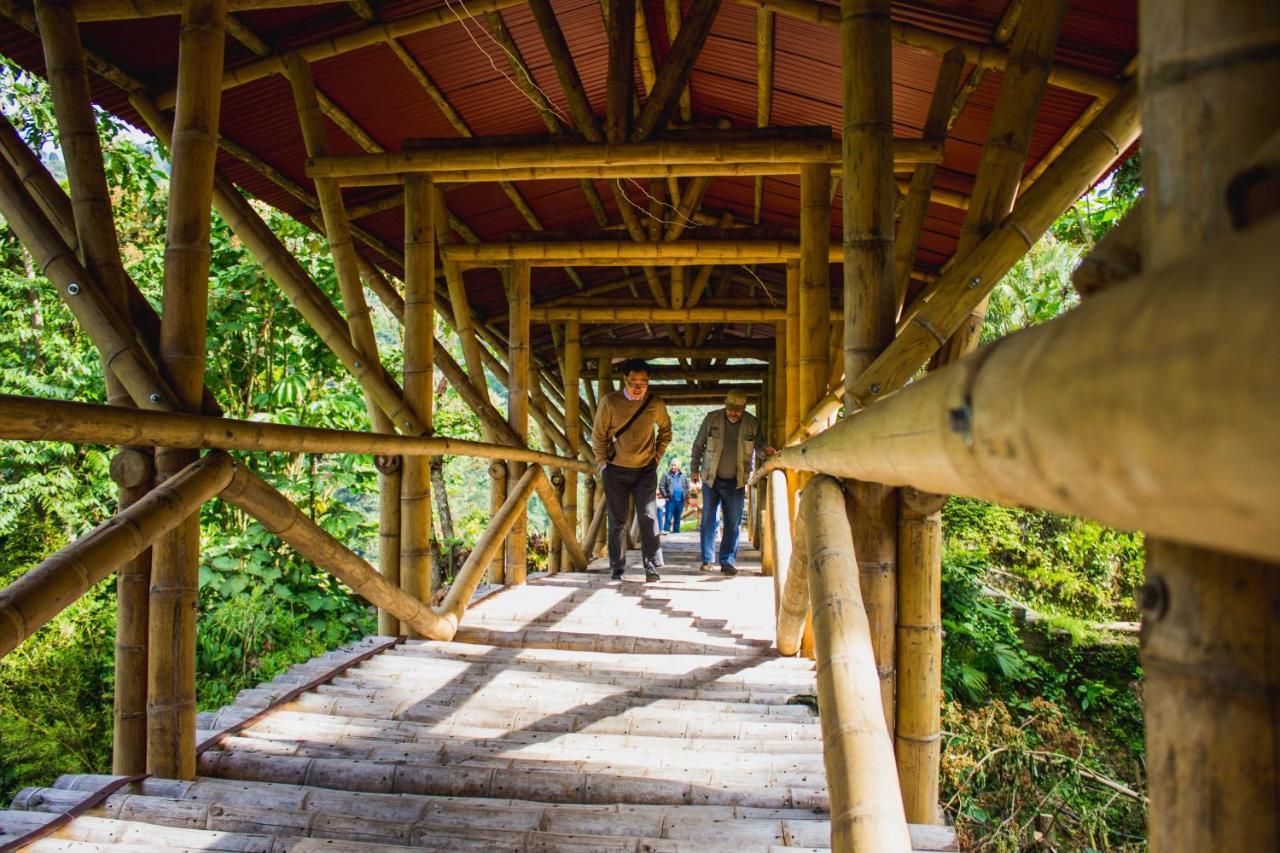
x: 121, y: 10
x: 759, y: 350
x: 1209, y: 627
x: 346, y: 43
x: 517, y: 279
x: 866, y: 809
x: 792, y: 372
x: 620, y: 85
x: 1198, y: 467
x: 764, y: 92
x: 700, y: 314
x: 96, y: 238
x: 463, y: 322
x: 171, y: 652
x: 917, y: 737
x: 673, y: 76
x: 967, y: 282
x: 567, y: 73
x: 1004, y: 155
x: 673, y: 14
x: 605, y: 253
x: 44, y: 591
x: 707, y: 156
x: 498, y: 481
x: 416, y: 577
x: 782, y: 542
x: 911, y: 217
x: 572, y: 415
x: 982, y: 55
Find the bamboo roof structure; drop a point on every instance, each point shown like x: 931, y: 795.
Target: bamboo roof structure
x: 421, y: 70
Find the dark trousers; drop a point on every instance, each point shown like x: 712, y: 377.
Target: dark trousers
x: 621, y: 486
x: 675, y: 510
x: 723, y: 495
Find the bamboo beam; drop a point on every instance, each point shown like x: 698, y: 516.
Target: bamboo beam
x: 416, y: 577
x: 620, y: 84
x: 676, y: 68
x: 1200, y: 468
x: 171, y: 652
x: 1004, y: 154
x: 517, y: 279
x: 562, y: 60
x: 918, y: 733
x: 558, y: 160
x: 966, y: 283
x: 1209, y: 629
x: 637, y: 314
x: 44, y: 591
x: 919, y: 195
x: 339, y: 45
x: 983, y: 55
x: 623, y: 253
x: 667, y: 373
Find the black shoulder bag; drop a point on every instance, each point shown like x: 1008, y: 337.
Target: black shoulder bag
x: 611, y: 451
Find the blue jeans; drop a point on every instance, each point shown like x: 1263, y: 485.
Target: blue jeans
x: 728, y: 498
x: 675, y: 509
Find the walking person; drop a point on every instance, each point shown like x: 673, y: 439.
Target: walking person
x: 631, y: 431
x: 728, y: 445
x: 673, y: 488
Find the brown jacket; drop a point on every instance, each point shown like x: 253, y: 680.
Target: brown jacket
x: 644, y: 441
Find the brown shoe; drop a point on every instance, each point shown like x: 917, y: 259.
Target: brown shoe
x: 705, y: 567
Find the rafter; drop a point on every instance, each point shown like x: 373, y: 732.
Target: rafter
x: 676, y: 68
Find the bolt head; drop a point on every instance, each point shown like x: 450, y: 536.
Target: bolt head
x: 1152, y: 599
x: 155, y: 397
x: 975, y: 281
x: 875, y: 388
x: 73, y: 289
x: 355, y: 364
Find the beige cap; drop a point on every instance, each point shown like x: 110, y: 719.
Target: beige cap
x: 735, y: 399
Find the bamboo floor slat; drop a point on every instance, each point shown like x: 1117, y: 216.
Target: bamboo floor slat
x: 573, y: 713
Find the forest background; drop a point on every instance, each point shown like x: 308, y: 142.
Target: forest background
x: 1043, y: 742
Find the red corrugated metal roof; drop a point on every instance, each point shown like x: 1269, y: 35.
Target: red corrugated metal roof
x: 462, y: 59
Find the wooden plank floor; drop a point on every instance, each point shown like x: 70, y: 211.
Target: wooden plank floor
x: 574, y: 713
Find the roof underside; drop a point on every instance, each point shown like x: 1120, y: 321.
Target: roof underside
x: 375, y: 89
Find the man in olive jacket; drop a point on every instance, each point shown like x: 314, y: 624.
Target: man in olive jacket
x: 631, y: 431
x: 725, y: 453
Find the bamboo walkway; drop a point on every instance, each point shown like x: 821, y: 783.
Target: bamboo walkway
x: 572, y: 713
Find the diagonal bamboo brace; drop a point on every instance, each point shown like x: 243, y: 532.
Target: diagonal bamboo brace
x: 279, y: 515
x: 42, y: 593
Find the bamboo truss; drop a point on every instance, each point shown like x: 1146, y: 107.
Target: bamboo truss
x: 606, y: 253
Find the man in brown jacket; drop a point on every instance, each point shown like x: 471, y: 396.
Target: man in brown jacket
x: 631, y: 431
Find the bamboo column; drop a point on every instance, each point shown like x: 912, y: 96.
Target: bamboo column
x: 918, y: 738
x: 390, y: 471
x: 171, y: 652
x: 359, y: 325
x: 44, y: 591
x: 419, y: 388
x: 866, y: 809
x: 1210, y: 632
x: 95, y: 234
x: 869, y: 310
x: 572, y: 415
x: 517, y: 280
x: 814, y: 291
x: 604, y: 387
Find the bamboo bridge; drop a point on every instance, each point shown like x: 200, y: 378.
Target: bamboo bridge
x: 569, y: 183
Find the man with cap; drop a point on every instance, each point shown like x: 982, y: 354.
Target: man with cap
x: 728, y: 445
